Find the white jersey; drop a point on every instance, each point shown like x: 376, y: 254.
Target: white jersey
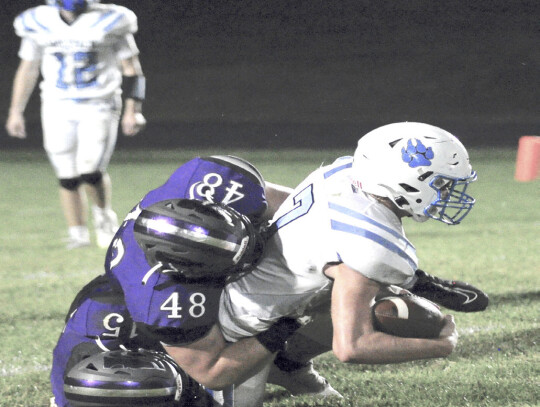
x: 79, y: 60
x: 325, y: 220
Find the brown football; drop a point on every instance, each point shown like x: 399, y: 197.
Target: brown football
x: 408, y: 316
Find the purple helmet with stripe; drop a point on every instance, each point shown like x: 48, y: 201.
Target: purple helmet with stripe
x: 197, y: 239
x: 123, y: 378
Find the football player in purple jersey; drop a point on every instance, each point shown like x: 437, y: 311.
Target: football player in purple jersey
x: 89, y: 366
x: 184, y: 315
x: 169, y: 305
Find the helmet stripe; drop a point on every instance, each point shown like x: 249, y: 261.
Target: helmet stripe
x: 184, y: 230
x: 119, y: 392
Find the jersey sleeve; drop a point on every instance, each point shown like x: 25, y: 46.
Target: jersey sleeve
x: 29, y: 50
x: 126, y: 47
x: 122, y: 22
x: 383, y: 262
x: 27, y: 25
x: 367, y: 243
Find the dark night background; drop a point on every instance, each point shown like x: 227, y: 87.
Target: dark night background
x: 313, y: 73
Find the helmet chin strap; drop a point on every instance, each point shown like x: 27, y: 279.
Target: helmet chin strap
x: 400, y: 213
x: 419, y: 218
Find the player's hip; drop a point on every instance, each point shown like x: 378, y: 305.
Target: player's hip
x: 81, y: 108
x: 243, y: 314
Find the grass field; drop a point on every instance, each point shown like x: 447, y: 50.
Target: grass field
x: 497, y: 361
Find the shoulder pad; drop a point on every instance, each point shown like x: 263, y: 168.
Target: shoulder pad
x: 116, y: 20
x: 33, y: 21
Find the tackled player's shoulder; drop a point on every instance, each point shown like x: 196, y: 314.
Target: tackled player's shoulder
x: 35, y: 20
x: 120, y: 19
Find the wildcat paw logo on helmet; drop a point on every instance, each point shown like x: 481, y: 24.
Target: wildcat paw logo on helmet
x: 417, y: 155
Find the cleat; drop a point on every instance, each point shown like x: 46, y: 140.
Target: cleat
x: 454, y: 295
x: 303, y: 381
x: 105, y: 225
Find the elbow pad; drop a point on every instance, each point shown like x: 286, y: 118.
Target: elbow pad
x: 134, y: 87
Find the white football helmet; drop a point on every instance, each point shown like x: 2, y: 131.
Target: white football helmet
x: 422, y: 169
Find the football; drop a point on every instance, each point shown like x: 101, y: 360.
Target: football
x: 408, y: 316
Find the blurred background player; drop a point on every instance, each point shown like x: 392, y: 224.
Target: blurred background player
x: 83, y: 49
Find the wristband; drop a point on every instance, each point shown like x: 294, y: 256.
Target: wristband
x: 134, y: 87
x: 275, y: 338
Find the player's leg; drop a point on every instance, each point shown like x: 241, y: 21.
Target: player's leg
x: 251, y: 392
x: 60, y: 143
x: 298, y: 376
x: 293, y: 368
x: 98, y: 187
x: 97, y: 138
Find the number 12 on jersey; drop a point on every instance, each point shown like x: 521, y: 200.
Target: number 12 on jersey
x: 76, y: 69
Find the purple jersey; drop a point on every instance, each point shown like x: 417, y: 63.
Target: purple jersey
x: 175, y: 310
x: 97, y: 321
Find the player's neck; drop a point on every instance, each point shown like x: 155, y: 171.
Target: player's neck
x: 69, y: 16
x: 400, y: 213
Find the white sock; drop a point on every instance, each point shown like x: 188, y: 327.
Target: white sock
x: 79, y: 232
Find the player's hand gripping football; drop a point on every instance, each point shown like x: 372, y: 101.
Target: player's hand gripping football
x: 449, y: 334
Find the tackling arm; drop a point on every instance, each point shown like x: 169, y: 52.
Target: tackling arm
x: 133, y: 120
x: 24, y: 83
x: 356, y: 341
x: 217, y: 365
x: 275, y: 195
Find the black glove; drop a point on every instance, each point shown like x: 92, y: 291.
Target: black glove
x: 275, y: 338
x: 190, y: 393
x: 454, y: 295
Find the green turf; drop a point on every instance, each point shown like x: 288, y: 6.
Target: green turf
x: 496, y: 363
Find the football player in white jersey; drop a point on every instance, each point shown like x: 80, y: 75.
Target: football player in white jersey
x: 339, y: 240
x: 87, y: 56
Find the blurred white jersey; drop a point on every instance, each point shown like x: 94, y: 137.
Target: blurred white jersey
x: 79, y: 60
x: 325, y: 220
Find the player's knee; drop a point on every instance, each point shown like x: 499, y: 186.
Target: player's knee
x: 92, y: 178
x: 71, y: 184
